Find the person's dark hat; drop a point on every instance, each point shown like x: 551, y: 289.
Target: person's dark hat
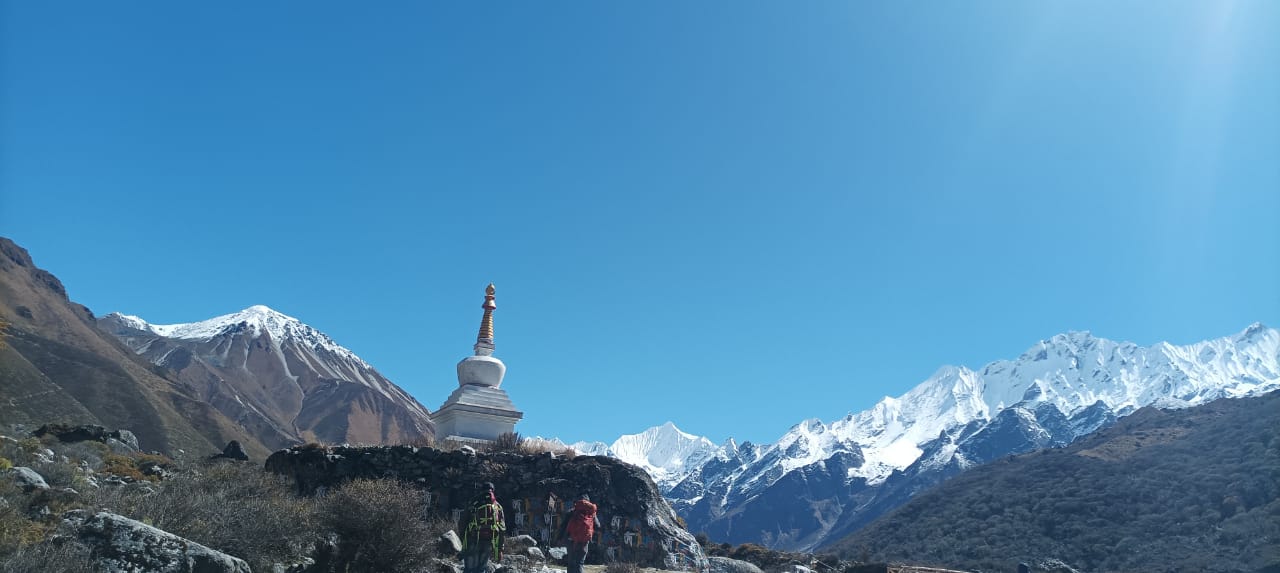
x: 584, y: 497
x: 487, y: 485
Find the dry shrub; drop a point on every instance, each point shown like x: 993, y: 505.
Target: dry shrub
x: 569, y: 453
x: 506, y: 442
x: 54, y: 556
x: 10, y: 450
x: 58, y: 474
x: 123, y: 466
x: 5, y: 464
x: 313, y: 446
x: 235, y: 508
x: 534, y: 446
x: 423, y: 442
x: 381, y: 526
x: 19, y: 528
x: 87, y: 451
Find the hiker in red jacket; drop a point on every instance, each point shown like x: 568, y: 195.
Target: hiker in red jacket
x: 580, y: 525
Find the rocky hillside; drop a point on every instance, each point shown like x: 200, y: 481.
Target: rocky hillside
x: 58, y: 367
x: 283, y: 381
x: 1195, y: 489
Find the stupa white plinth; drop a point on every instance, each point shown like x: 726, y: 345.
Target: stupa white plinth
x: 479, y: 410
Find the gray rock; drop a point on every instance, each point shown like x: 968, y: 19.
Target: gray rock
x: 129, y: 439
x: 449, y: 544
x: 120, y: 447
x: 727, y: 565
x: 558, y: 552
x: 124, y: 545
x: 445, y: 566
x: 523, y: 541
x: 467, y: 450
x: 1051, y: 565
x: 535, y: 553
x: 301, y: 567
x: 27, y: 478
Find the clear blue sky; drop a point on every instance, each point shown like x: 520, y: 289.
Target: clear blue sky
x: 731, y: 215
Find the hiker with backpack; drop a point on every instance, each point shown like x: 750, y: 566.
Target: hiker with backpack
x: 580, y: 525
x: 484, y: 531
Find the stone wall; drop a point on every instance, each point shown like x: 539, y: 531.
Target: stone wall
x: 535, y: 491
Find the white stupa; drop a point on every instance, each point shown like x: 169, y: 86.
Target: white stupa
x: 479, y: 410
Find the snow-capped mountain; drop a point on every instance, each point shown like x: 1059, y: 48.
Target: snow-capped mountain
x: 667, y: 453
x: 845, y: 473
x: 280, y: 378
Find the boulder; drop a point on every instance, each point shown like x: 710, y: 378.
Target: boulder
x: 444, y: 566
x: 523, y: 540
x: 727, y: 565
x: 304, y: 566
x: 449, y: 544
x: 27, y: 478
x: 519, y: 544
x: 535, y: 553
x: 122, y: 544
x: 127, y: 437
x: 121, y: 447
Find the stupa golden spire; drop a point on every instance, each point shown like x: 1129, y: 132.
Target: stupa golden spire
x: 486, y: 322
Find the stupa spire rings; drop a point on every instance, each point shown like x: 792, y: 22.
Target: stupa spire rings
x: 484, y: 340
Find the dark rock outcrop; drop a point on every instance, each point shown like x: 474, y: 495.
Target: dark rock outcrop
x: 67, y: 433
x: 233, y: 451
x: 122, y: 544
x: 637, y: 523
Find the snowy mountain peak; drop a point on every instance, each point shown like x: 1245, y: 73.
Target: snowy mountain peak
x: 256, y: 320
x: 260, y: 341
x: 666, y: 452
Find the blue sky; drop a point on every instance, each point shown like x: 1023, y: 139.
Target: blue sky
x: 730, y: 215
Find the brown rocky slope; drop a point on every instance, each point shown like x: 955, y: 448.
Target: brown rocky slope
x: 57, y: 366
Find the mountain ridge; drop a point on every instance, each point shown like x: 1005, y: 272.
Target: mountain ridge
x: 1190, y: 489
x: 282, y: 378
x: 1060, y: 389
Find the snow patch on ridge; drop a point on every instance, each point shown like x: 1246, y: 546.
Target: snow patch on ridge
x: 258, y: 319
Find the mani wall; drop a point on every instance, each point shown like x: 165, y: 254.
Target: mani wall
x: 637, y: 524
